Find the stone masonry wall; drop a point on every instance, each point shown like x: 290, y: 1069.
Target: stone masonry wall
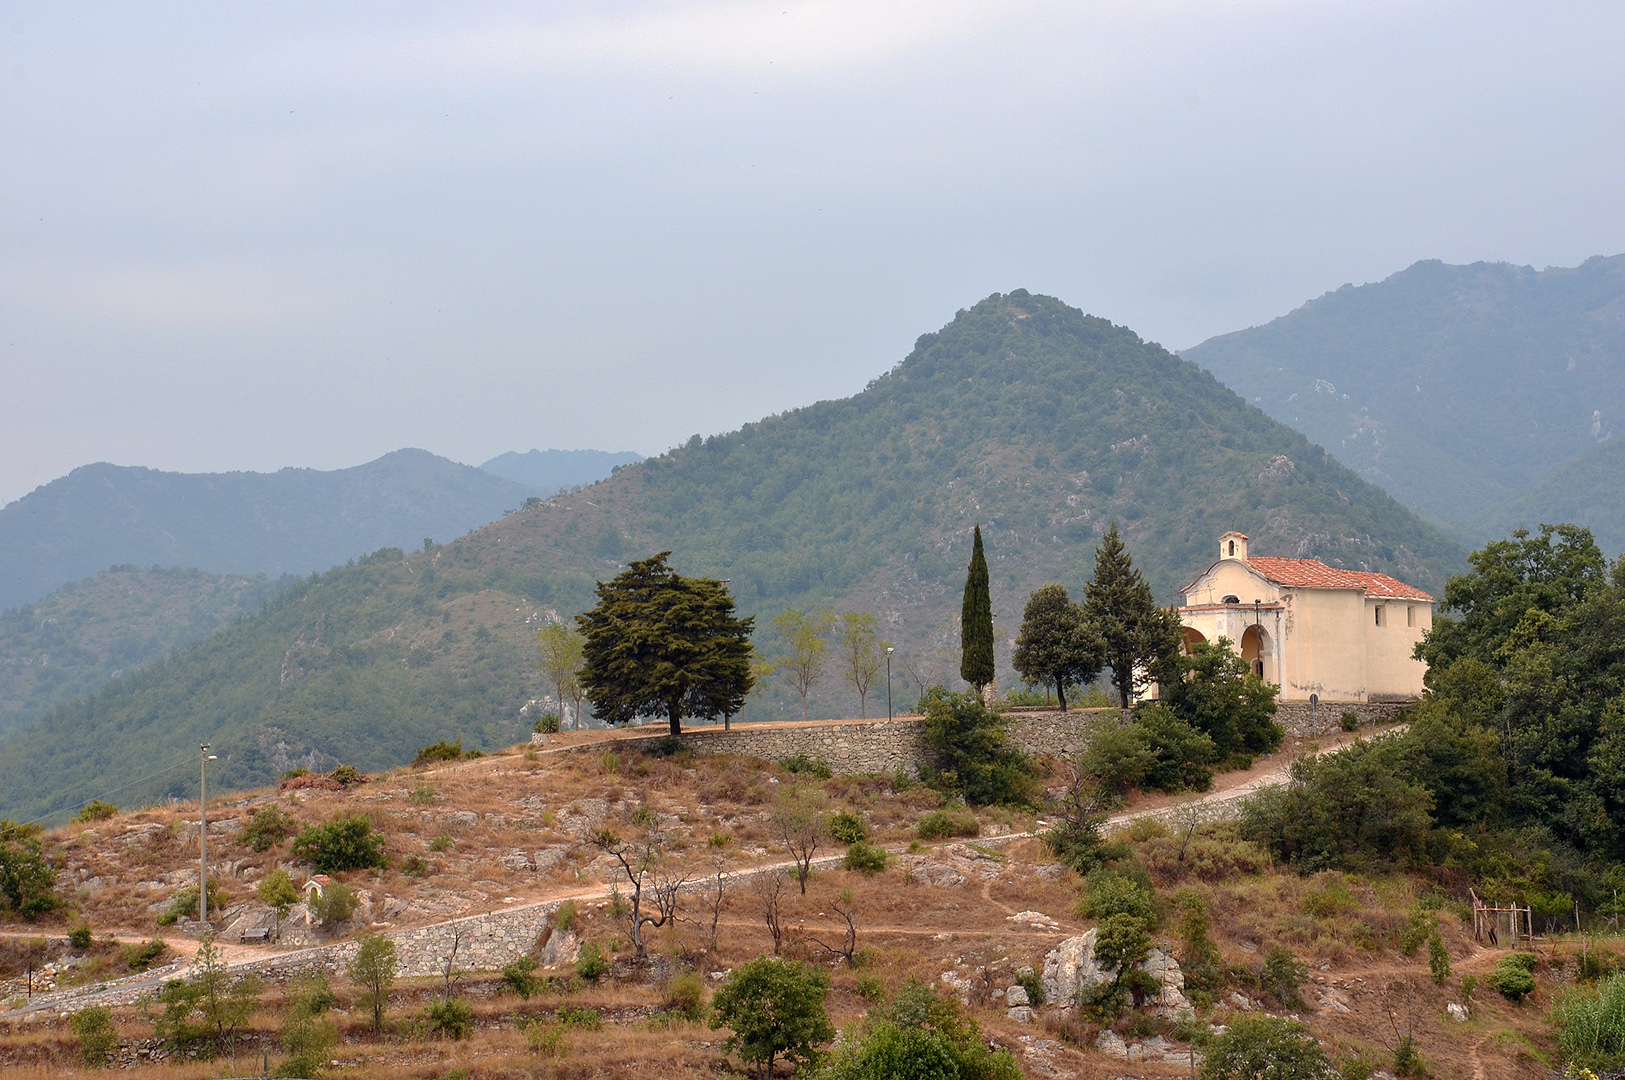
x: 1299, y: 720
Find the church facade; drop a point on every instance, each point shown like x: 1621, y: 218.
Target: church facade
x: 1342, y: 635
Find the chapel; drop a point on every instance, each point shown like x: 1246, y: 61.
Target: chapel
x: 1341, y: 635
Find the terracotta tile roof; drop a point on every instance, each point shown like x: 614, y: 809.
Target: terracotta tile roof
x: 1314, y: 574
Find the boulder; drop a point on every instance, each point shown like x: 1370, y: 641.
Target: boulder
x: 1016, y: 995
x: 1457, y: 1013
x: 561, y: 947
x: 1069, y: 967
x: 1111, y: 1044
x: 1021, y: 1014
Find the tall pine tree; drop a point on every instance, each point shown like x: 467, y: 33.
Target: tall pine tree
x: 1140, y: 637
x: 976, y: 621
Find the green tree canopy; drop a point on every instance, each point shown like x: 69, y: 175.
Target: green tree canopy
x: 976, y: 620
x: 971, y: 753
x: 1213, y: 691
x: 1058, y: 646
x: 561, y: 647
x: 1266, y: 1048
x: 1140, y: 638
x: 774, y: 1009
x: 660, y: 644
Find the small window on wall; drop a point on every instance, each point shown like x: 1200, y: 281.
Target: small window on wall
x: 1232, y: 599
x: 1410, y: 616
x: 1378, y: 610
x: 1232, y: 547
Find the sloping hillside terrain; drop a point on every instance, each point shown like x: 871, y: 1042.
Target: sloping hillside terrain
x: 294, y: 521
x: 1039, y: 422
x: 1462, y: 390
x: 106, y: 626
x: 980, y: 919
x: 552, y: 471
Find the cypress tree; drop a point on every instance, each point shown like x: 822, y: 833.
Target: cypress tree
x: 976, y: 621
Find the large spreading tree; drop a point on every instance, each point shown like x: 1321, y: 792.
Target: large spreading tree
x: 1058, y: 646
x: 976, y: 621
x: 661, y: 644
x: 1141, y: 638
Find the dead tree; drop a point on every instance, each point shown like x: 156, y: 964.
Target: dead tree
x: 458, y: 931
x: 716, y: 897
x: 663, y: 890
x: 798, y: 821
x: 846, y: 910
x: 638, y: 862
x: 769, y: 889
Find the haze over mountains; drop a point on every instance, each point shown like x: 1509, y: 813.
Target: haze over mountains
x: 551, y: 471
x: 1487, y: 396
x: 1039, y: 422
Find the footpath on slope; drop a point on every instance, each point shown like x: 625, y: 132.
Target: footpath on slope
x: 1228, y: 788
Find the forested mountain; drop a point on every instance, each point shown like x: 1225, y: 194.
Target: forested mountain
x: 1463, y: 390
x: 552, y: 471
x: 1039, y: 422
x: 291, y: 521
x: 105, y: 627
x: 1588, y: 489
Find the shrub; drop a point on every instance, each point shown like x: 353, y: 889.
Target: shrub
x: 440, y: 751
x: 1259, y: 1047
x: 345, y: 843
x: 451, y: 1018
x: 564, y: 916
x: 308, y: 1039
x: 581, y: 1019
x: 27, y: 878
x: 971, y: 753
x: 416, y: 866
x: 1114, y: 892
x: 1181, y: 756
x: 520, y: 975
x: 920, y: 1034
x: 335, y: 903
x: 423, y: 795
x: 940, y: 825
x: 443, y: 842
x: 373, y: 969
x: 1349, y: 721
x: 848, y: 828
x: 93, y: 1027
x: 547, y: 724
x: 1215, y: 693
x: 774, y: 1009
x: 866, y: 858
x: 592, y: 964
x: 97, y: 811
x: 347, y: 775
x: 79, y: 937
x: 267, y: 828
x: 684, y: 995
x: 1511, y: 976
x: 546, y: 1039
x: 184, y: 904
x: 609, y: 761
x: 1438, y: 958
x: 1033, y: 983
x: 802, y: 765
x: 139, y: 958
x: 1591, y: 1024
x: 869, y: 988
x: 1282, y: 975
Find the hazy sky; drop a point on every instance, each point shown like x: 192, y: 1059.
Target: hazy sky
x: 256, y: 235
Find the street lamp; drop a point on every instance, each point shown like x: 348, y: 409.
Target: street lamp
x: 888, y: 682
x: 203, y: 834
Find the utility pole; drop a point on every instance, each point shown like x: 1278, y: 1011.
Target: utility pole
x: 203, y: 835
x: 889, y: 715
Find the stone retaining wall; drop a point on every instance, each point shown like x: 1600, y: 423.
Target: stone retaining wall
x: 1298, y: 719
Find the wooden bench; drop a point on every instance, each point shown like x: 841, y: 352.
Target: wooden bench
x: 259, y: 936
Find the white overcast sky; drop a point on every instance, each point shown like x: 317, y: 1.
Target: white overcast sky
x: 243, y: 236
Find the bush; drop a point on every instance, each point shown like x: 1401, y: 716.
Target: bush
x: 266, y: 829
x: 416, y: 866
x: 308, y: 1039
x: 139, y: 958
x: 1181, y: 756
x: 921, y: 1034
x: 774, y: 1009
x: 1114, y: 892
x: 1033, y: 983
x: 1438, y: 958
x: 184, y: 904
x: 684, y: 995
x: 581, y: 1019
x: 564, y: 916
x: 546, y: 1039
x: 520, y: 975
x: 940, y: 825
x: 422, y: 795
x: 440, y: 751
x: 1591, y: 1024
x: 451, y: 1018
x: 335, y: 903
x: 347, y: 775
x: 848, y: 828
x: 93, y: 1027
x: 1266, y: 1048
x: 547, y: 724
x: 27, y: 878
x: 79, y: 937
x: 345, y: 843
x: 972, y: 755
x: 592, y: 964
x: 1511, y: 976
x: 1216, y: 694
x: 97, y: 811
x: 867, y: 859
x: 1349, y: 721
x: 1282, y: 975
x: 802, y: 765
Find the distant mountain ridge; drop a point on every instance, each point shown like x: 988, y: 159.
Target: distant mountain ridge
x: 552, y: 471
x: 1040, y: 422
x: 293, y: 521
x: 1465, y: 391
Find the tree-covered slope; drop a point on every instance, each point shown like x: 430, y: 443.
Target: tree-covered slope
x: 106, y: 626
x: 1039, y: 422
x: 292, y: 521
x: 552, y: 471
x: 1454, y: 387
x: 1586, y: 490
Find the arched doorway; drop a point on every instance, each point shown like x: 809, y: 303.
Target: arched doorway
x: 1190, y: 637
x: 1259, y: 652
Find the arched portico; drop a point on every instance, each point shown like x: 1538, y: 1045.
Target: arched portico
x: 1190, y: 637
x: 1258, y: 649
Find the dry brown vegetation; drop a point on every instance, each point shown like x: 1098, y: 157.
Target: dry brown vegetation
x: 464, y: 818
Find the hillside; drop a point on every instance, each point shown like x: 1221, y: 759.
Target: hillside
x: 1587, y: 489
x: 1456, y: 388
x: 294, y: 521
x: 552, y: 471
x: 1040, y: 422
x: 106, y: 626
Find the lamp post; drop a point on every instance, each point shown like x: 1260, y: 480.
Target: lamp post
x: 888, y: 683
x: 203, y: 834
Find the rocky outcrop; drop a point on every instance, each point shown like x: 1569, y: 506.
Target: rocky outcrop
x: 1070, y: 967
